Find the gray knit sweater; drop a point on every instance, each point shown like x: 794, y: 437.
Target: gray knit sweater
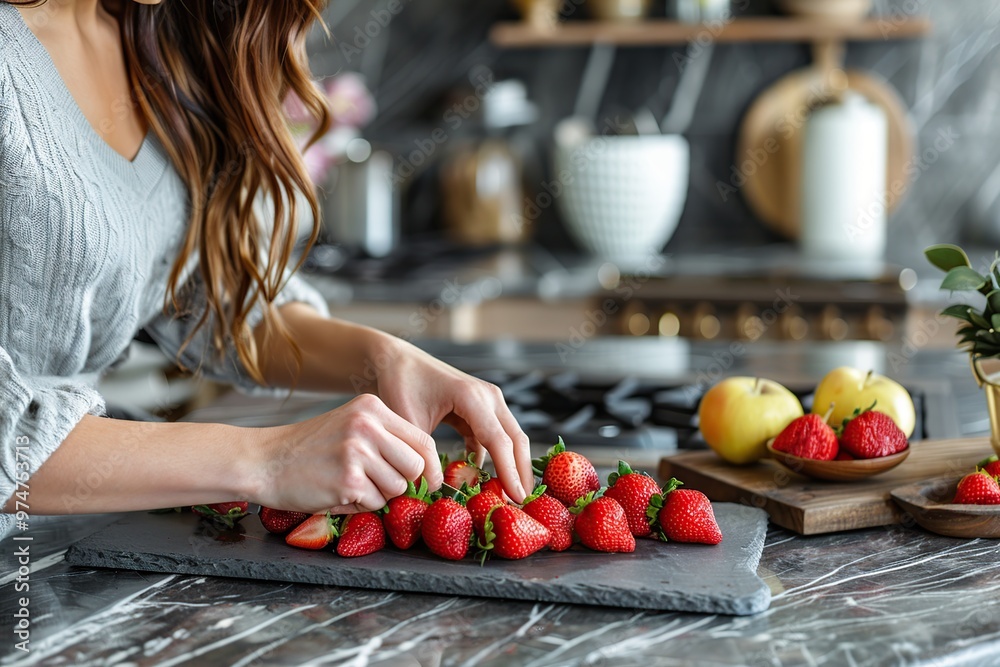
x: 87, y: 239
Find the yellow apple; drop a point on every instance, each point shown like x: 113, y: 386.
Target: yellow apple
x: 849, y: 389
x: 740, y: 414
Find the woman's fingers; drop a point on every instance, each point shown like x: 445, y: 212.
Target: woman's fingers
x: 419, y: 442
x: 488, y: 430
x: 522, y: 449
x: 389, y: 481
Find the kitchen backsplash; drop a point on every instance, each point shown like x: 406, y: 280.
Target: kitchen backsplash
x: 414, y: 54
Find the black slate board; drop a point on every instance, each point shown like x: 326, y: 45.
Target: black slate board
x: 661, y: 576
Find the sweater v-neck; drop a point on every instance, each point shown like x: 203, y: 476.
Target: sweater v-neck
x: 141, y: 172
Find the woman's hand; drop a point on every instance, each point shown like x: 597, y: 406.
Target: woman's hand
x: 426, y: 391
x: 352, y: 459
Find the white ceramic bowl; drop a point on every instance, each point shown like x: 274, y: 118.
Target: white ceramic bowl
x: 623, y: 195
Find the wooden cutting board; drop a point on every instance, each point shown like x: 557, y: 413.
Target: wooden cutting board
x: 811, y: 507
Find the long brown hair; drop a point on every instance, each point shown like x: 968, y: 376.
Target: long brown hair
x: 210, y: 79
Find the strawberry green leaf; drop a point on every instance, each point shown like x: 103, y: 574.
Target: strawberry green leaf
x: 582, y: 502
x: 623, y: 469
x: 539, y: 490
x: 653, y: 511
x: 988, y: 460
x: 539, y: 464
x: 671, y: 485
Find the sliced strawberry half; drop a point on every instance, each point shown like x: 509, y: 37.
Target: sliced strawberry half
x: 316, y: 532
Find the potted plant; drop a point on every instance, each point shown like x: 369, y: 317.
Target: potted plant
x: 979, y: 333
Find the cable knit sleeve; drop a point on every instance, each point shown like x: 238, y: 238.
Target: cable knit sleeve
x: 37, y: 411
x: 170, y: 331
x: 36, y: 415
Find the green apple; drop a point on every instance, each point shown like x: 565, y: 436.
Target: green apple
x: 740, y: 414
x: 850, y: 389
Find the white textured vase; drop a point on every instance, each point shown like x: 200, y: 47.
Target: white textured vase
x: 622, y: 196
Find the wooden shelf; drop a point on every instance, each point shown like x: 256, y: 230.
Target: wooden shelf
x: 518, y: 35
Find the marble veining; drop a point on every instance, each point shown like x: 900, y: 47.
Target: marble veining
x: 874, y: 597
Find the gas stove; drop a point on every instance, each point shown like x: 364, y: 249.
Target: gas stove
x: 627, y: 414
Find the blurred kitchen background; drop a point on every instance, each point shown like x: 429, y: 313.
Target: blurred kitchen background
x: 677, y: 171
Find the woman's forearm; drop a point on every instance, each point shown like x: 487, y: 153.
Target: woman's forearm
x: 336, y: 355
x: 109, y: 465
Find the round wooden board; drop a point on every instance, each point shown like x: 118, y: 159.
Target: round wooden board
x: 773, y: 127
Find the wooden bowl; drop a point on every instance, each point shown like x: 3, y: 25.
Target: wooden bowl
x: 929, y: 503
x: 837, y: 471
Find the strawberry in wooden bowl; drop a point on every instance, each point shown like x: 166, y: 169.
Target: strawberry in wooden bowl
x: 957, y: 507
x: 865, y: 444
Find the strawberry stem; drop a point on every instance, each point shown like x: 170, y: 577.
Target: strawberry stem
x: 539, y: 490
x: 623, y: 469
x: 826, y: 416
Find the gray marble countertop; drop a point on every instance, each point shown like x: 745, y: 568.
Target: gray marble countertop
x: 892, y: 596
x: 887, y: 596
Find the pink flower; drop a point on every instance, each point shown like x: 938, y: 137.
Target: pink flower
x: 350, y: 101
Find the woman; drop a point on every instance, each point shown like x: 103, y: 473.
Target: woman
x: 139, y: 143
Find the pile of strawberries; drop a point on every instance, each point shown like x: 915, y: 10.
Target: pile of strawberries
x: 981, y: 487
x: 568, y: 506
x: 867, y: 434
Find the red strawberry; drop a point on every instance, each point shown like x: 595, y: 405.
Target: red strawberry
x: 228, y: 514
x: 633, y: 490
x: 360, y: 535
x: 568, y: 476
x: 315, y: 532
x: 991, y: 466
x: 553, y: 515
x: 479, y: 504
x: 843, y: 456
x: 404, y: 514
x: 512, y: 534
x: 684, y: 515
x: 602, y: 525
x: 280, y: 522
x: 808, y: 437
x: 978, y: 488
x: 447, y: 529
x: 464, y: 471
x: 872, y: 434
x: 494, y: 486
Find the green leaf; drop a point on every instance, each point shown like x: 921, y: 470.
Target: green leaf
x: 993, y: 300
x: 946, y: 256
x: 623, y: 469
x: 959, y: 311
x: 986, y: 349
x: 995, y: 321
x: 978, y: 320
x: 538, y: 465
x: 539, y: 490
x: 963, y: 279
